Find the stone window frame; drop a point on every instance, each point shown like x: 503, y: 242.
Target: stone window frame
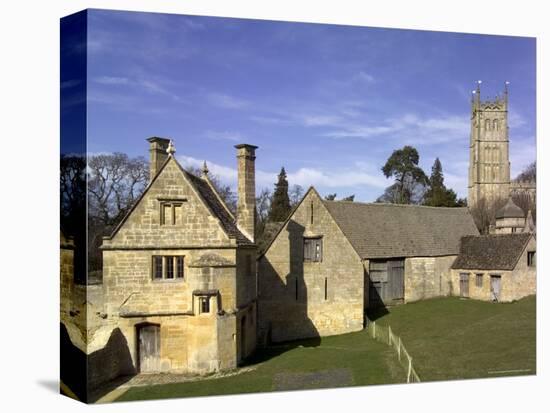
x: 531, y: 258
x: 177, y: 275
x: 317, y: 249
x: 173, y: 203
x: 479, y: 279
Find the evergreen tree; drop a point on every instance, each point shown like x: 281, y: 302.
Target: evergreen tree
x: 280, y: 203
x: 437, y: 194
x: 410, y: 179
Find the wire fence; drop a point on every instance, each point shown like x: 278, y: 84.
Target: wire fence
x: 386, y: 335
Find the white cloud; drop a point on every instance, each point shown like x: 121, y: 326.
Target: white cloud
x: 112, y: 80
x: 226, y: 174
x: 306, y: 177
x: 225, y: 101
x: 321, y: 120
x: 224, y: 135
x: 410, y: 128
x: 364, y: 77
x: 145, y: 84
x: 515, y: 120
x: 523, y: 151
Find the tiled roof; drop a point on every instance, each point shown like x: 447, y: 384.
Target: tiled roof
x: 214, y: 204
x: 491, y: 252
x: 510, y: 210
x: 390, y: 230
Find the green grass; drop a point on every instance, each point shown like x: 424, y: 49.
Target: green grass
x: 362, y: 359
x: 452, y: 338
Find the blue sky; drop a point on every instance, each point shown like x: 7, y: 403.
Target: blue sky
x: 328, y: 102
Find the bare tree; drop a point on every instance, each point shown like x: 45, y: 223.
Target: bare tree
x: 72, y: 181
x: 225, y: 192
x: 115, y: 182
x: 295, y: 193
x: 484, y: 212
x: 263, y: 206
x: 529, y: 174
x: 526, y: 202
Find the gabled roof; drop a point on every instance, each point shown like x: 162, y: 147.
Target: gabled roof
x: 491, y: 252
x: 211, y: 200
x: 390, y: 230
x: 214, y: 203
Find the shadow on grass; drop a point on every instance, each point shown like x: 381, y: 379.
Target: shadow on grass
x: 267, y: 353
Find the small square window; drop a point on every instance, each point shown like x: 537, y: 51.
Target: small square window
x: 204, y: 305
x: 313, y: 249
x: 171, y: 213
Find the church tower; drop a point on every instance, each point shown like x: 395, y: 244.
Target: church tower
x: 489, y: 171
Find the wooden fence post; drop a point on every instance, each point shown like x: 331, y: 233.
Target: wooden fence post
x: 374, y: 329
x: 389, y: 336
x: 409, y: 372
x: 399, y: 349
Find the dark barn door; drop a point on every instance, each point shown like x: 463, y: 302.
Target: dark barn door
x: 387, y: 281
x: 396, y: 280
x: 149, y: 348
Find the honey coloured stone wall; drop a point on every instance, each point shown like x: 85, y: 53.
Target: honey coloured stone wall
x: 514, y: 284
x: 300, y: 298
x: 194, y: 224
x: 427, y: 277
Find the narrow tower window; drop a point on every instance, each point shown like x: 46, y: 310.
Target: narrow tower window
x: 487, y: 124
x: 495, y: 124
x: 326, y: 288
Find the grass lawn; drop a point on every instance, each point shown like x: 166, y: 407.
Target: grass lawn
x: 344, y: 360
x: 453, y: 338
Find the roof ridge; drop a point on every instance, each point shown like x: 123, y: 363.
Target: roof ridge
x: 392, y: 205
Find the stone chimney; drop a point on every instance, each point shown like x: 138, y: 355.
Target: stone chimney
x: 158, y: 154
x: 246, y: 188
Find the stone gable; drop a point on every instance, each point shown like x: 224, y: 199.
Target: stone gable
x: 310, y: 299
x: 195, y: 225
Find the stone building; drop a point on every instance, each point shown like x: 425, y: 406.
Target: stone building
x: 509, y: 219
x: 496, y: 267
x: 179, y: 271
x: 331, y: 260
x: 489, y: 168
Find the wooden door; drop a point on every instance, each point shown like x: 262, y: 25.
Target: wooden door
x: 465, y: 284
x: 149, y: 348
x: 495, y: 287
x: 396, y: 280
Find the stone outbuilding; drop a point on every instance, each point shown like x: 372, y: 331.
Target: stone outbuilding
x: 509, y: 219
x: 179, y: 271
x: 496, y: 267
x: 331, y: 260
